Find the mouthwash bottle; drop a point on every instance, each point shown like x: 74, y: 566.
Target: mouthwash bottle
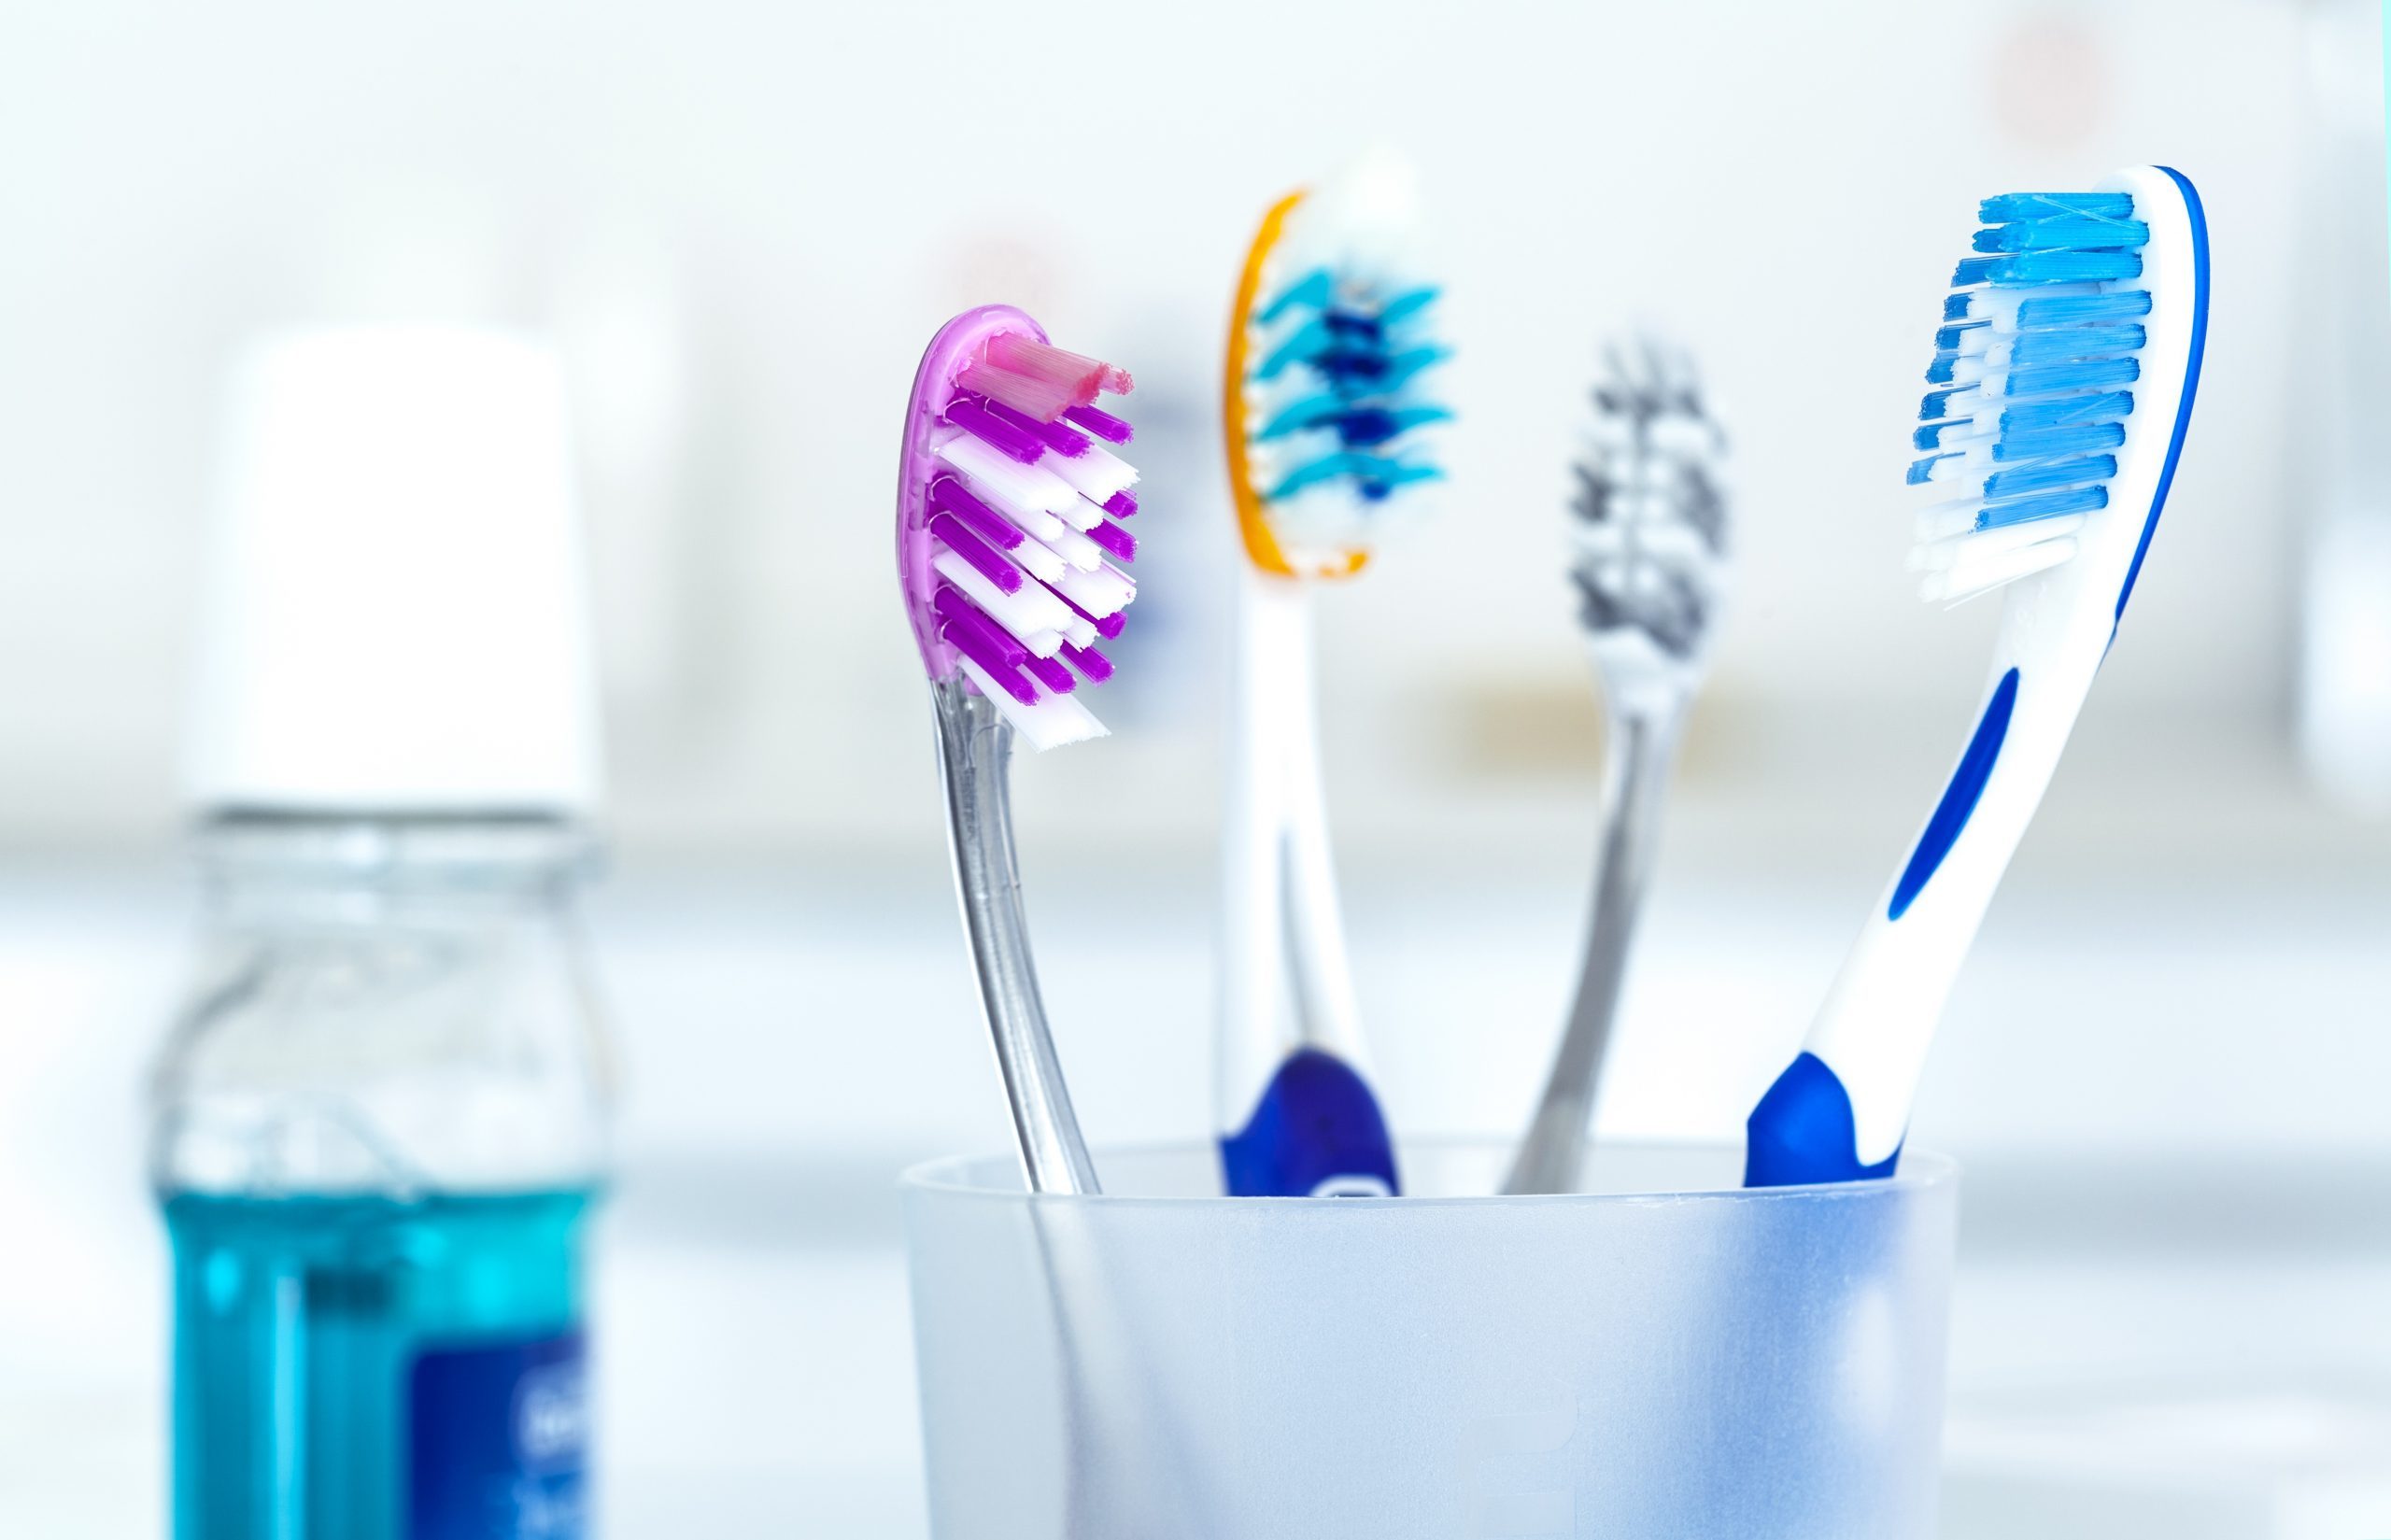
x: 381, y: 1121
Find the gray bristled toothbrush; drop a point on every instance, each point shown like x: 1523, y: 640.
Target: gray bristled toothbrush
x: 1648, y: 550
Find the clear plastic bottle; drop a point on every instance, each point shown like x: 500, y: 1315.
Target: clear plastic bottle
x: 379, y: 1127
x: 381, y: 1119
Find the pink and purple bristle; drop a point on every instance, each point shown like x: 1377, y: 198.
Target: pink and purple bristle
x: 1008, y: 538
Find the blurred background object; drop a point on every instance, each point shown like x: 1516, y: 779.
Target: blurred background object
x: 2344, y: 660
x: 379, y: 1117
x: 735, y: 224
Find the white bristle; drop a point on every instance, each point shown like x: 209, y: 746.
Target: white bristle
x: 1025, y: 614
x: 1081, y: 633
x: 999, y: 476
x: 1094, y: 476
x: 1053, y: 721
x: 1036, y: 559
x: 1082, y: 516
x: 1075, y: 548
x: 1105, y: 591
x: 1647, y: 534
x: 1649, y: 539
x: 1945, y: 520
x: 1972, y: 437
x: 1036, y: 523
x: 1944, y: 553
x: 1327, y: 518
x: 1683, y: 437
x: 1964, y: 402
x: 1367, y: 214
x: 1967, y: 579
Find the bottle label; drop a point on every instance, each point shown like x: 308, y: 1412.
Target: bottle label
x: 499, y: 1435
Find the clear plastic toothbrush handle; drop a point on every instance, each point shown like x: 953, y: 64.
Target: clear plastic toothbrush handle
x: 974, y: 745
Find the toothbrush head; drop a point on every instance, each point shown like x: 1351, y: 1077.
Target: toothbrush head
x: 1008, y: 540
x: 2063, y: 378
x: 1649, y: 538
x: 1328, y: 424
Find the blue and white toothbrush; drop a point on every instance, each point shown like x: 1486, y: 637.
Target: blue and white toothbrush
x: 1324, y: 424
x: 2063, y: 382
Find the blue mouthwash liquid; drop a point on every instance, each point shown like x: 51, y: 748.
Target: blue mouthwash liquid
x: 377, y: 1368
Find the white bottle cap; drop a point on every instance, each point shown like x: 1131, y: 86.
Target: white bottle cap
x: 394, y: 618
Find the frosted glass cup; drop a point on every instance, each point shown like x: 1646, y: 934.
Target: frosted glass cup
x: 1665, y: 1355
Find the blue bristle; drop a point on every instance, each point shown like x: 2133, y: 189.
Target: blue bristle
x: 2024, y: 268
x: 2084, y: 374
x: 1368, y: 471
x: 1362, y: 368
x: 2067, y: 233
x: 1401, y: 366
x: 2066, y: 411
x: 2045, y: 475
x: 2016, y: 448
x: 1371, y: 426
x: 1306, y: 341
x: 1310, y: 410
x: 2064, y: 359
x: 2036, y: 205
x: 1360, y: 356
x: 2055, y: 344
x: 1313, y: 291
x: 2123, y: 304
x: 1351, y: 326
x: 1921, y: 471
x: 2025, y: 510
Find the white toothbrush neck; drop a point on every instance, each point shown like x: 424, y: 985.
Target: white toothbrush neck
x: 1285, y: 978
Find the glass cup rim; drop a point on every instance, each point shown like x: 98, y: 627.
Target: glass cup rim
x: 967, y: 1178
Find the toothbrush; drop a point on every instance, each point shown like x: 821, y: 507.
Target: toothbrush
x: 2063, y: 380
x: 1008, y: 547
x: 1649, y: 557
x: 1324, y: 417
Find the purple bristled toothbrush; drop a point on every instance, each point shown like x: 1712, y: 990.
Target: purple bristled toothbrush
x: 1009, y: 548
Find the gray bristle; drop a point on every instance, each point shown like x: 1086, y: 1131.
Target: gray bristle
x: 1650, y: 527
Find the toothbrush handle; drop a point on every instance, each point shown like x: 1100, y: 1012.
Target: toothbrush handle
x: 1295, y: 1113
x: 1636, y: 770
x: 974, y: 743
x: 1840, y: 1111
x: 1249, y: 1029
x: 1322, y: 972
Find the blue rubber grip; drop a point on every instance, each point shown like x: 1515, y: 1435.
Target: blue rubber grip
x: 1960, y: 797
x: 1802, y: 1132
x: 1317, y: 1128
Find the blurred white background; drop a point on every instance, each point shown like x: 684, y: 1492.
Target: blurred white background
x: 742, y: 221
